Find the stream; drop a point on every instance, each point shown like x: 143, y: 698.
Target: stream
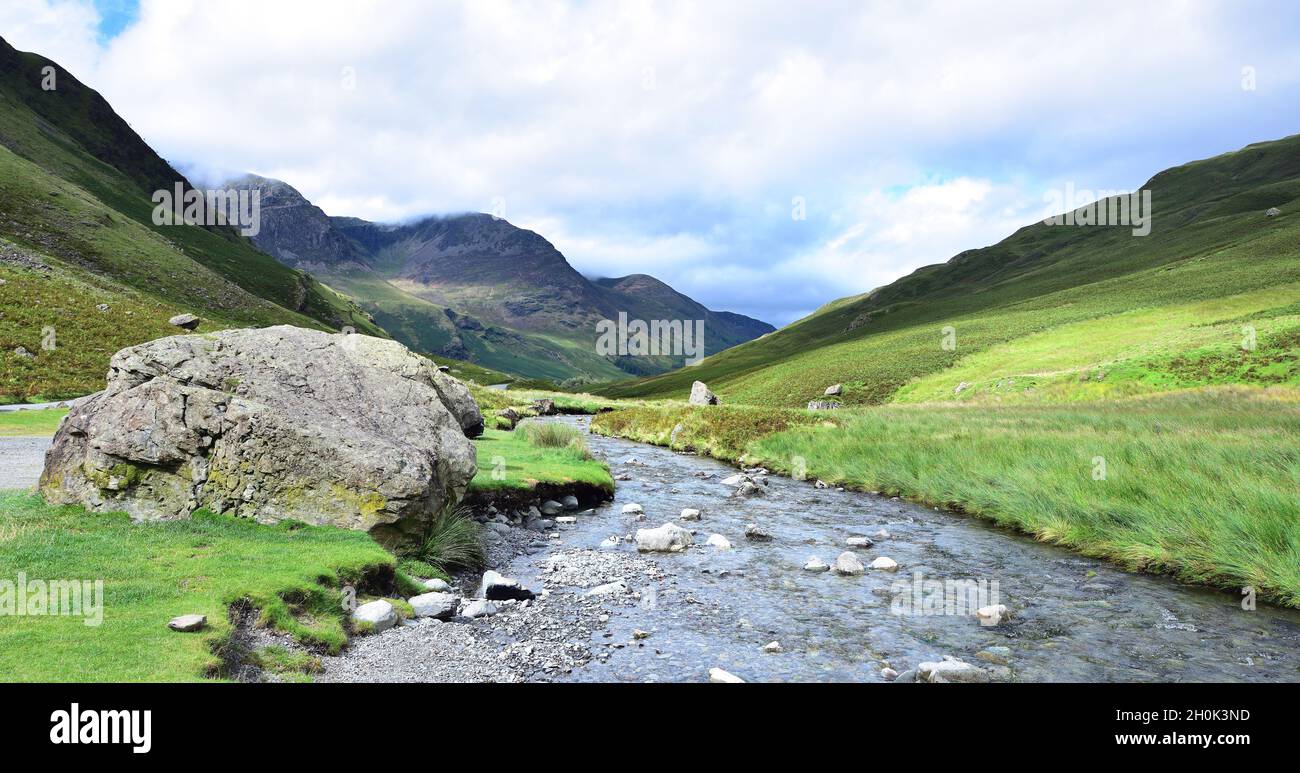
x: 1074, y: 618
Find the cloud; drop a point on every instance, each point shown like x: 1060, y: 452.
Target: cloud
x: 671, y: 138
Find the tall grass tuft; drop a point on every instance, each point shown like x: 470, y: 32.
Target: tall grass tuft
x: 453, y: 541
x: 554, y: 435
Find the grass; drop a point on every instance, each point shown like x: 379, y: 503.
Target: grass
x: 40, y: 423
x: 1201, y: 484
x: 452, y: 542
x: 152, y: 572
x: 510, y: 460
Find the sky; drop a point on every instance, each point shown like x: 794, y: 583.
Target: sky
x: 761, y: 157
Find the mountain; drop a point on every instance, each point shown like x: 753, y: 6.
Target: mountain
x: 475, y: 287
x: 1209, y: 296
x: 81, y: 255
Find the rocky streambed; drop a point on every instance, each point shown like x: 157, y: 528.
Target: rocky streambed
x: 748, y: 601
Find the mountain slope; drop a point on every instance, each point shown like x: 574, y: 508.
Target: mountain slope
x: 475, y: 287
x: 75, y: 187
x: 1057, y: 311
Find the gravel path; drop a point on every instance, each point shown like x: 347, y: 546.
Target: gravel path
x: 21, y: 461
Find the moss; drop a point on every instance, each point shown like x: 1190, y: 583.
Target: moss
x: 119, y: 477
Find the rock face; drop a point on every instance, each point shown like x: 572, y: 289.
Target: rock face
x: 271, y: 424
x: 700, y: 395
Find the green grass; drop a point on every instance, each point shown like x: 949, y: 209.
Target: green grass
x: 292, y: 665
x: 1202, y: 484
x: 41, y: 423
x: 509, y: 460
x: 453, y: 541
x: 155, y: 571
x: 1049, y: 307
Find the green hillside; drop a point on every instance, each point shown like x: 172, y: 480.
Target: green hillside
x: 76, y: 232
x: 1060, y: 312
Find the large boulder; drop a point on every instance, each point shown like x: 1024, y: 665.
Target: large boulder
x: 700, y: 395
x: 280, y: 423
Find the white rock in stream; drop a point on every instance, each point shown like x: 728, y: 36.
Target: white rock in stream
x: 441, y: 606
x: 566, y: 519
x: 478, y: 608
x: 885, y: 563
x: 993, y: 614
x: 718, y: 676
x: 380, y: 614
x: 690, y: 514
x: 859, y: 542
x: 773, y: 647
x: 815, y: 564
x: 617, y: 586
x: 669, y: 538
x: 757, y: 533
x: 735, y: 480
x: 950, y: 670
x: 633, y: 509
x: 848, y: 564
x: 718, y: 541
x: 883, y: 534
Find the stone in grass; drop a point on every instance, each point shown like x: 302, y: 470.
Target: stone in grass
x: 669, y: 538
x: 570, y: 502
x: 186, y: 321
x: 633, y: 509
x: 188, y: 623
x: 1273, y: 212
x: 690, y: 514
x: 437, y: 585
x: 815, y: 564
x: 847, y: 564
x: 440, y: 606
x: 496, y: 587
x: 478, y: 608
x: 551, y: 507
x: 718, y: 541
x: 834, y: 390
x: 718, y: 676
x: 885, y: 563
x: 701, y: 395
x: 380, y: 614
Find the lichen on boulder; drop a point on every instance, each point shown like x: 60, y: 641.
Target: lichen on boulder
x: 272, y: 424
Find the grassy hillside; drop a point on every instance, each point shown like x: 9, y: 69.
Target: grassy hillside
x: 1060, y: 312
x: 1201, y: 484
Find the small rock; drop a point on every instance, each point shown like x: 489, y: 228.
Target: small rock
x: 639, y: 634
x: 718, y: 676
x: 551, y: 507
x: 823, y: 405
x: 609, y: 543
x: 992, y: 614
x: 437, y: 585
x: 499, y: 528
x: 633, y: 509
x: 188, y: 623
x: 859, y: 542
x: 101, y: 306
x: 757, y: 533
x: 21, y: 351
x: 815, y: 564
x: 885, y: 564
x: 748, y: 489
x: 441, y: 606
x: 498, y: 588
x: 907, y: 677
x: 380, y: 614
x: 950, y: 670
x: 544, y: 407
x: 735, y: 480
x: 773, y: 647
x: 847, y: 564
x: 570, y: 502
x: 834, y: 390
x: 888, y: 673
x: 700, y: 395
x: 186, y: 321
x: 566, y: 519
x: 669, y: 538
x: 1272, y: 212
x: 883, y: 534
x: 718, y: 541
x: 609, y: 588
x: 478, y: 608
x: 998, y: 656
x: 690, y: 514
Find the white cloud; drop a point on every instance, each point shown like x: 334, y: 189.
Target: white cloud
x: 661, y: 137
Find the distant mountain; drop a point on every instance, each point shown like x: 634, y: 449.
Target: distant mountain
x: 475, y: 287
x: 80, y: 253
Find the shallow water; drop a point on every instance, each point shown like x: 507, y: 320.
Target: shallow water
x: 1075, y: 618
